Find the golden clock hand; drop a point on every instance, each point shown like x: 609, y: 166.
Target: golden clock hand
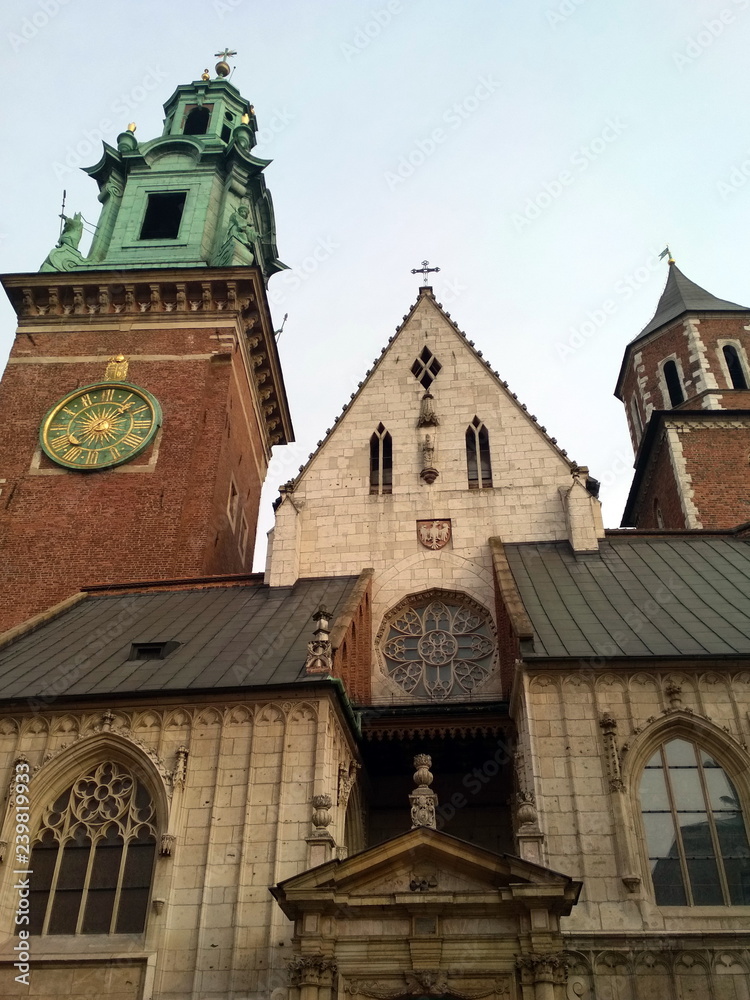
x: 73, y: 439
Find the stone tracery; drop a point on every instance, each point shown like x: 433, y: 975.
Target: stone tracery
x: 437, y: 645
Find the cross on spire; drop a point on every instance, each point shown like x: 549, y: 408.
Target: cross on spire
x: 224, y: 55
x: 424, y: 270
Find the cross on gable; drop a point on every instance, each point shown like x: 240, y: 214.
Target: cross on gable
x: 424, y: 270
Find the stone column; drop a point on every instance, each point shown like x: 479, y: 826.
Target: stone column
x: 314, y: 975
x: 543, y: 977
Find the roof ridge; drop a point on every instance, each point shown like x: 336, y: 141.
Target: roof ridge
x: 426, y: 292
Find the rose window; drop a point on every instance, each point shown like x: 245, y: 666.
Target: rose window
x: 438, y: 645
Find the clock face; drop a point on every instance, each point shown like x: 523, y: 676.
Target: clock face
x: 100, y: 425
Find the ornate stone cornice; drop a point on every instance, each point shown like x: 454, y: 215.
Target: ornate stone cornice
x: 159, y: 296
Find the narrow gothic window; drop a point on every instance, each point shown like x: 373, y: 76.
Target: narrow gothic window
x: 196, y: 122
x: 478, y: 455
x: 734, y: 366
x: 635, y: 413
x: 381, y: 461
x: 93, y: 858
x: 426, y: 368
x: 674, y: 385
x: 695, y: 833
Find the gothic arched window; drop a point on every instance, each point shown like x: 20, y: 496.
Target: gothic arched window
x: 438, y: 645
x: 734, y: 367
x: 93, y: 858
x: 674, y: 383
x: 695, y: 832
x: 381, y: 461
x: 478, y: 455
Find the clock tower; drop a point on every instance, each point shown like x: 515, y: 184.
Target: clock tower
x: 143, y: 393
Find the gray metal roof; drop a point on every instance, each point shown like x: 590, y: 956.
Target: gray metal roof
x: 648, y: 596
x: 229, y: 637
x: 682, y: 295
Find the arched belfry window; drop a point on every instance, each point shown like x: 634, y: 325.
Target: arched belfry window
x: 674, y: 383
x: 93, y: 857
x: 695, y: 831
x: 197, y: 120
x: 381, y: 461
x: 734, y: 367
x: 478, y: 455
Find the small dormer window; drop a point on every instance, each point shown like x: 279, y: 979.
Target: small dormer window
x: 152, y: 650
x: 674, y: 383
x: 196, y: 122
x: 163, y: 216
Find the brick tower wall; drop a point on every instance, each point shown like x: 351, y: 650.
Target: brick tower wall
x: 161, y: 515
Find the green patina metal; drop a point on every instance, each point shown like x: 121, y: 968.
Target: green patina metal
x: 195, y: 196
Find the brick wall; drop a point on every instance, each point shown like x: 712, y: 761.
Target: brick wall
x: 162, y: 515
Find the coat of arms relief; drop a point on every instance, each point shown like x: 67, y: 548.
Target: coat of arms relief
x: 434, y: 534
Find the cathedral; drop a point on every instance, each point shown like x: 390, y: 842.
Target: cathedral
x: 458, y: 741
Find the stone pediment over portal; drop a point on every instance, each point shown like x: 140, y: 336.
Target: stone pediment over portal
x: 427, y: 915
x: 426, y: 866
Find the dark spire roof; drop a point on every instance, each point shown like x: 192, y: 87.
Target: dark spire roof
x: 681, y: 295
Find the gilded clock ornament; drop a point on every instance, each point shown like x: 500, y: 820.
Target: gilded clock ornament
x: 100, y: 426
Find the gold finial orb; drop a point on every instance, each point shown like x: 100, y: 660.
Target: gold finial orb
x: 132, y: 127
x: 223, y: 68
x: 205, y: 75
x: 246, y: 119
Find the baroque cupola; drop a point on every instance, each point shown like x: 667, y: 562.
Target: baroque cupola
x: 195, y: 196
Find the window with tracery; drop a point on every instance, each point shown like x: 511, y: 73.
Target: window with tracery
x: 381, y: 461
x: 695, y: 831
x: 478, y: 455
x: 93, y: 858
x: 438, y: 645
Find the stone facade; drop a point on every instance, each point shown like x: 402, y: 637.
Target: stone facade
x: 329, y: 521
x: 233, y: 784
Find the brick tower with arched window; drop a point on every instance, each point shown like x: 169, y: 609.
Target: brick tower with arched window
x: 685, y: 384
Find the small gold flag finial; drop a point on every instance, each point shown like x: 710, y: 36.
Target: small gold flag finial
x: 666, y: 252
x: 117, y: 368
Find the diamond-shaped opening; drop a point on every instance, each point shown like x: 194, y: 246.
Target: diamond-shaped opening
x: 426, y: 368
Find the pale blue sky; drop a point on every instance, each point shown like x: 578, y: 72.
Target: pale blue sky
x: 547, y: 151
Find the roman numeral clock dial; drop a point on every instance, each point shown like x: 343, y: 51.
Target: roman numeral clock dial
x: 100, y: 426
